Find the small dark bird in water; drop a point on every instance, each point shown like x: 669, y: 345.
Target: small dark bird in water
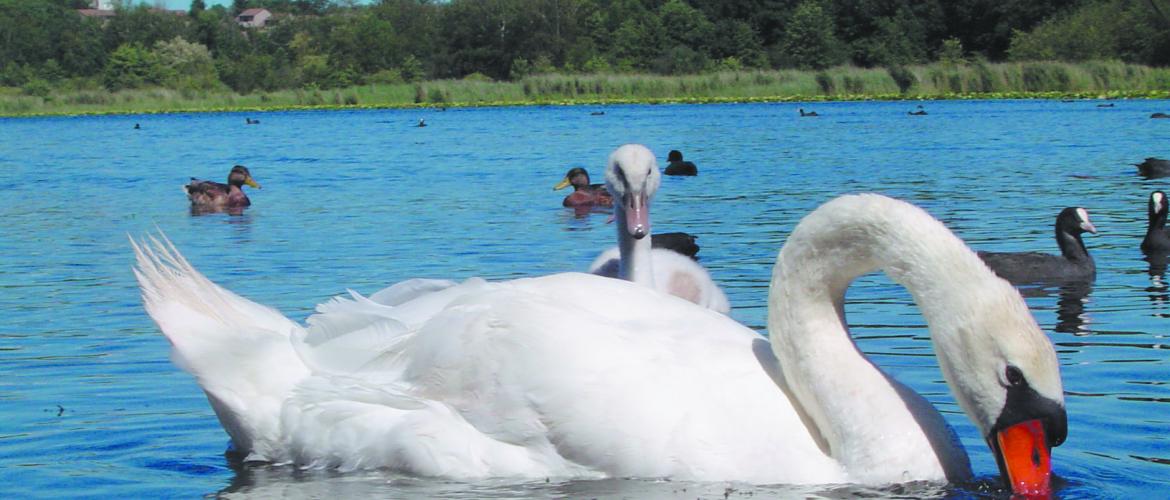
x: 1110, y: 105
x: 918, y: 112
x: 137, y: 126
x: 679, y: 242
x: 1074, y: 264
x: 584, y: 194
x: 1159, y: 115
x: 677, y: 166
x: 422, y: 123
x: 214, y: 195
x: 597, y: 113
x: 1154, y: 168
x: 1157, y: 240
x: 250, y: 121
x: 810, y: 113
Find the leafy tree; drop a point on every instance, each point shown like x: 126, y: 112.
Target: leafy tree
x: 638, y: 40
x: 810, y: 42
x: 145, y: 27
x: 951, y: 51
x: 684, y: 25
x: 736, y: 39
x: 1116, y: 29
x: 186, y: 65
x: 132, y: 66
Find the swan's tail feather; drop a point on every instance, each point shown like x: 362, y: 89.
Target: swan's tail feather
x: 239, y: 351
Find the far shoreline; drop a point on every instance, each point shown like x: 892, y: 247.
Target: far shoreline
x: 935, y: 82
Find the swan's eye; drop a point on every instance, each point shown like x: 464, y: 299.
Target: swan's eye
x: 1013, y: 375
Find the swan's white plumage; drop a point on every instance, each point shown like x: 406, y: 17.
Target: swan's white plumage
x: 482, y: 379
x: 674, y: 273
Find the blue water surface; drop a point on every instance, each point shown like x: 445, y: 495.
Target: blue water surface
x: 91, y: 405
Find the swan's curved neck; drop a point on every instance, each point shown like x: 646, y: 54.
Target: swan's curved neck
x: 634, y: 263
x: 857, y: 409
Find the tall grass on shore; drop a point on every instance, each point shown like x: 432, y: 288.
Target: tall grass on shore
x: 934, y: 81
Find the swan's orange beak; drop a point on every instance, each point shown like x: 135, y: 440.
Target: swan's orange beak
x: 1024, y: 460
x: 637, y: 209
x: 563, y: 184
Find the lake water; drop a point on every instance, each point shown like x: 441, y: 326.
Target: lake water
x: 91, y: 405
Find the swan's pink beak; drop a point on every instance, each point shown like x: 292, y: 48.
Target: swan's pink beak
x: 1024, y: 460
x: 637, y: 215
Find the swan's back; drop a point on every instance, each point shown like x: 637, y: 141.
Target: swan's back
x: 674, y: 274
x: 563, y: 375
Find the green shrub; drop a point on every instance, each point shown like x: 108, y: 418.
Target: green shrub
x: 903, y: 78
x: 854, y: 84
x: 825, y: 83
x: 36, y: 87
x: 951, y: 51
x: 411, y: 69
x: 1037, y: 77
x: 386, y: 76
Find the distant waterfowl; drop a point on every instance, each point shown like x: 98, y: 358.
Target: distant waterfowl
x: 1109, y: 105
x: 421, y: 123
x: 632, y: 177
x: 577, y: 376
x: 210, y: 194
x: 1154, y: 168
x: 918, y: 112
x: 678, y: 242
x: 678, y: 166
x: 1157, y: 240
x: 137, y: 126
x: 597, y: 113
x: 250, y: 121
x: 584, y: 194
x: 1160, y: 115
x: 810, y: 113
x: 1073, y: 264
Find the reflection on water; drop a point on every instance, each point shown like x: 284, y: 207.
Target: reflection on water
x: 197, y: 210
x: 1070, y: 308
x: 1159, y: 291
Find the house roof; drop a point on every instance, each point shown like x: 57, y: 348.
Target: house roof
x: 252, y: 12
x: 95, y: 13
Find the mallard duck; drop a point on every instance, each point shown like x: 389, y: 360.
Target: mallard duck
x: 584, y: 194
x: 810, y: 113
x: 211, y: 194
x: 677, y: 166
x: 578, y: 376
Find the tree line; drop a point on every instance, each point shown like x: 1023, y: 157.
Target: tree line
x: 47, y: 44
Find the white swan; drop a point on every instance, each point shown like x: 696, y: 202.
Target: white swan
x: 481, y: 379
x: 632, y: 177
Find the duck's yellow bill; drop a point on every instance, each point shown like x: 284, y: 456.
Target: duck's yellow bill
x: 562, y: 185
